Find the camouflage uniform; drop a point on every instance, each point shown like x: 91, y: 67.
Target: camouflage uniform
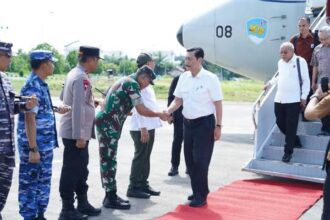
x: 120, y: 100
x: 35, y: 178
x: 8, y: 107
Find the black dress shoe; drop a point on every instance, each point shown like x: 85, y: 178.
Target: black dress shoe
x: 111, y: 201
x: 297, y: 143
x: 197, y: 203
x: 137, y: 193
x: 191, y: 197
x: 151, y: 191
x: 173, y: 171
x: 286, y: 158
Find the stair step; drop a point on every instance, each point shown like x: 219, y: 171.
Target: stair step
x: 308, y: 141
x: 306, y: 172
x: 307, y: 128
x: 300, y: 155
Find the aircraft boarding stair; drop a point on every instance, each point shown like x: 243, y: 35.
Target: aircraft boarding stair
x: 306, y: 162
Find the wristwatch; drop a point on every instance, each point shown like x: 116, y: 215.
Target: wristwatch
x: 219, y: 126
x: 34, y: 149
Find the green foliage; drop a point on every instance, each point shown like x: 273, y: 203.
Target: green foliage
x: 20, y: 63
x: 126, y: 66
x: 162, y: 65
x: 71, y: 60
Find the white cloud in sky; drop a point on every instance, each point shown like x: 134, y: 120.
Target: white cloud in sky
x: 127, y: 25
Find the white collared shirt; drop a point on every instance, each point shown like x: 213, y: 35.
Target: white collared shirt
x: 138, y: 121
x: 198, y: 93
x: 288, y: 88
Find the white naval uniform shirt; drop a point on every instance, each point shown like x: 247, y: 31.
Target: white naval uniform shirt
x: 288, y: 88
x: 198, y: 93
x: 138, y: 121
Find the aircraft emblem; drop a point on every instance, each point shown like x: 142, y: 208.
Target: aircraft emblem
x: 257, y: 29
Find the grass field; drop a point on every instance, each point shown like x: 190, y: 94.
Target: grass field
x: 241, y: 91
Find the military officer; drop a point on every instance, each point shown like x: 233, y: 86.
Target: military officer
x: 76, y: 129
x: 37, y: 138
x: 8, y: 107
x: 119, y: 101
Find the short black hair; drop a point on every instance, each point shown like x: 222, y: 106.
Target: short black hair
x: 198, y: 52
x: 306, y: 18
x: 35, y: 64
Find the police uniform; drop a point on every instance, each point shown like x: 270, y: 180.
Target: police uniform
x: 35, y: 178
x: 8, y: 107
x: 74, y: 125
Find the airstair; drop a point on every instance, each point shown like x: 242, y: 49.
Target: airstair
x: 306, y: 162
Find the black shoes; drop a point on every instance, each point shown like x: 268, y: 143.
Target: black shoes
x: 297, y: 143
x: 137, y: 193
x: 286, y: 158
x: 68, y: 211
x: 150, y: 191
x: 191, y: 197
x: 86, y: 208
x: 113, y: 201
x: 173, y: 171
x: 197, y: 203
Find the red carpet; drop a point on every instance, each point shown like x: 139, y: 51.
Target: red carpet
x: 253, y: 200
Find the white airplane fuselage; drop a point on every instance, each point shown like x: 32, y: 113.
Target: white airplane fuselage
x: 244, y: 36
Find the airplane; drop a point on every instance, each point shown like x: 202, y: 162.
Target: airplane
x: 244, y: 37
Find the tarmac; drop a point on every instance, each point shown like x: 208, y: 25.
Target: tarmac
x: 230, y: 154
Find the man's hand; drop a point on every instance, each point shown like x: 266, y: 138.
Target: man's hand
x: 164, y: 115
x: 302, y: 103
x: 266, y: 86
x: 170, y: 120
x: 34, y: 157
x: 31, y: 102
x: 217, y: 133
x: 63, y: 109
x: 80, y: 143
x: 314, y: 87
x: 144, y: 135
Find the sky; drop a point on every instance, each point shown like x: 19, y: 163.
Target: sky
x: 131, y: 26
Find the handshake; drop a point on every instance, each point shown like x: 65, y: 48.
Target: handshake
x: 165, y: 116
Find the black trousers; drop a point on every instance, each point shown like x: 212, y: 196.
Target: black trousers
x: 177, y: 138
x: 326, y: 196
x: 198, y: 149
x: 74, y: 170
x: 287, y: 117
x: 140, y: 168
x: 325, y: 124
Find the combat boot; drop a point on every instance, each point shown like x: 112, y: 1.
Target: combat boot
x: 113, y: 201
x: 68, y: 212
x: 85, y: 207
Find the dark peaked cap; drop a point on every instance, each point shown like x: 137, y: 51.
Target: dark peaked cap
x: 89, y: 51
x: 6, y: 47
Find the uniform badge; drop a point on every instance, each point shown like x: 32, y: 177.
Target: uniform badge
x: 86, y: 83
x: 257, y: 29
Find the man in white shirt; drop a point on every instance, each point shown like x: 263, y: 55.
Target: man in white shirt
x: 292, y: 91
x: 142, y: 131
x: 198, y: 90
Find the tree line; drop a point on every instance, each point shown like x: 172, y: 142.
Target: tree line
x: 119, y: 65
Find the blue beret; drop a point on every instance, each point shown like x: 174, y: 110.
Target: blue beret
x: 42, y: 55
x: 6, y: 47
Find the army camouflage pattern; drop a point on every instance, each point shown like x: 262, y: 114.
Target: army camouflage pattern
x: 34, y: 183
x: 45, y: 119
x: 120, y: 100
x: 8, y: 107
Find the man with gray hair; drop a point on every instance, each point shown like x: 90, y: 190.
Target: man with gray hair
x: 292, y: 89
x: 321, y: 69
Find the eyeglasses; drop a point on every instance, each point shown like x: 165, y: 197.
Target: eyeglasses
x: 284, y: 52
